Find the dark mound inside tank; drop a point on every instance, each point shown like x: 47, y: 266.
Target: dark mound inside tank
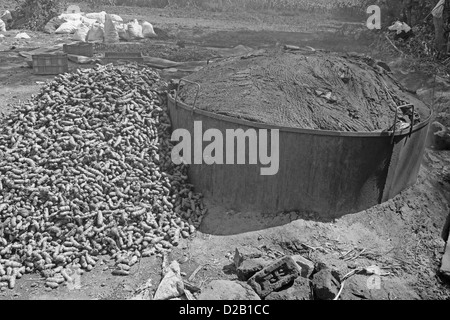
x: 305, y: 89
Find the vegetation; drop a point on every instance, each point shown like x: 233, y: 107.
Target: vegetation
x: 392, y: 9
x: 296, y: 5
x: 34, y: 15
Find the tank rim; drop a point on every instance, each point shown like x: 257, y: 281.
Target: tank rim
x: 259, y: 125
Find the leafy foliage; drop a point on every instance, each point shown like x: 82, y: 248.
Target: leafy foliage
x: 34, y: 15
x: 308, y: 5
x: 296, y: 5
x: 95, y: 4
x: 421, y: 46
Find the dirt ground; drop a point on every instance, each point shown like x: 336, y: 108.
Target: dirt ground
x: 402, y: 235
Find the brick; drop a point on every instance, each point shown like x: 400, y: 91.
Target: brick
x: 251, y: 266
x: 275, y: 276
x: 300, y: 290
x: 306, y: 266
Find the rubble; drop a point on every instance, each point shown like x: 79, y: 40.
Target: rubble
x: 384, y: 65
x: 339, y: 266
x: 284, y: 279
x: 244, y: 253
x: 300, y: 290
x: 251, y: 266
x: 228, y: 290
x: 441, y: 136
x: 446, y: 229
x: 191, y: 287
x: 326, y: 284
x: 306, y: 266
x: 445, y: 266
x: 356, y: 289
x: 172, y: 284
x: 275, y: 276
x: 189, y: 295
x: 361, y: 287
x: 143, y: 293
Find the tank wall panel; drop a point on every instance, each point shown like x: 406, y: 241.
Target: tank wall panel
x: 331, y: 175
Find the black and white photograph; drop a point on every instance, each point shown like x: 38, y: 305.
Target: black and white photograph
x: 228, y: 157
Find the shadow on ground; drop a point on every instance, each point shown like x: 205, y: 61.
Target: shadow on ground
x: 222, y: 222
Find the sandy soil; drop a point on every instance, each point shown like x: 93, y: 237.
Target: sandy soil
x: 402, y: 235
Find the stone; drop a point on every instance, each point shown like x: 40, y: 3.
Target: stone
x: 275, y: 276
x: 338, y: 266
x: 384, y: 65
x: 251, y: 266
x: 440, y: 136
x: 171, y: 285
x: 326, y: 284
x: 306, y: 266
x: 300, y: 290
x: 228, y: 290
x: 446, y: 230
x: 356, y: 288
x: 443, y: 118
x: 445, y: 266
x: 245, y: 253
x: 360, y: 287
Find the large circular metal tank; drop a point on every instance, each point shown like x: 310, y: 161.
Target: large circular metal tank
x: 330, y: 173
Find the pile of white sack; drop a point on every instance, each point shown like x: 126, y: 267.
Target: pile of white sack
x: 100, y: 27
